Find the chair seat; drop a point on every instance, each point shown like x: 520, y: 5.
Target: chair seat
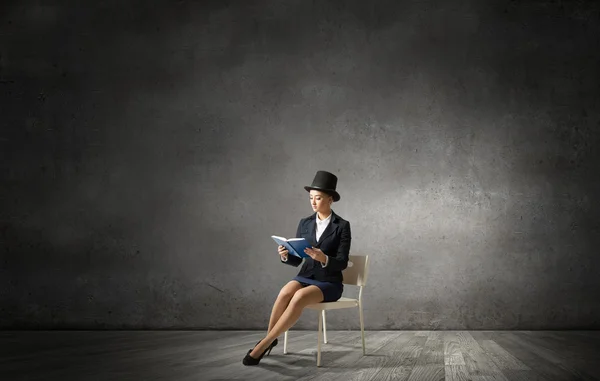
x: 340, y: 303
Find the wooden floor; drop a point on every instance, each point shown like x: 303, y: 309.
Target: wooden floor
x: 217, y: 355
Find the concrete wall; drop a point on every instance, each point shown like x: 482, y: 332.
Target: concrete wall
x: 148, y: 153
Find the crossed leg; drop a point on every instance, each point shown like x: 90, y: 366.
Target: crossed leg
x: 301, y: 297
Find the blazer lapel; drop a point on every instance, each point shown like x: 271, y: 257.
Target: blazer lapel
x: 312, y: 230
x: 328, y: 230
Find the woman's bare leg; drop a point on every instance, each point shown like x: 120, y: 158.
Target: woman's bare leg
x: 301, y: 299
x: 282, y: 301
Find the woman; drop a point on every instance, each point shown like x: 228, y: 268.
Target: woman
x: 320, y: 278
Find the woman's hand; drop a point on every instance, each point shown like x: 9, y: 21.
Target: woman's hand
x: 316, y: 254
x: 283, y: 252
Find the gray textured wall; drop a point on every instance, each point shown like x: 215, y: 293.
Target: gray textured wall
x: 148, y: 153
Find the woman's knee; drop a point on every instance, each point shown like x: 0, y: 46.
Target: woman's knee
x: 288, y: 291
x: 295, y: 301
x: 302, y: 298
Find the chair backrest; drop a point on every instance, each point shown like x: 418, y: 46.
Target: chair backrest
x: 357, y: 270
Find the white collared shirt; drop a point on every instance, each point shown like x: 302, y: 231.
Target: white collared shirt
x: 321, y: 226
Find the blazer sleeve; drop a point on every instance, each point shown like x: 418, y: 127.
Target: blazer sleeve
x: 340, y: 261
x: 292, y: 260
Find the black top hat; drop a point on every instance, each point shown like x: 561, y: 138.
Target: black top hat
x: 325, y: 182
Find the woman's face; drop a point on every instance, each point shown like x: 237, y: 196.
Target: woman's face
x: 320, y: 202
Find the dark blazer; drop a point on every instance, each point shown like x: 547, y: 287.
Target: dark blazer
x: 334, y: 242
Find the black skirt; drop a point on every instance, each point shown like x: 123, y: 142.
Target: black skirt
x: 332, y: 291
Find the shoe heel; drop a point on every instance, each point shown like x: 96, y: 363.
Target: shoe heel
x: 269, y: 352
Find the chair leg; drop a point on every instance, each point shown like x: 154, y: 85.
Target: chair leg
x: 362, y: 327
x: 324, y: 328
x: 319, y: 341
x: 285, y: 343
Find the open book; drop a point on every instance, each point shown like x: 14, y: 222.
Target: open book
x: 295, y: 246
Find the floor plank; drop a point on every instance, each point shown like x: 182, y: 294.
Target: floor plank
x: 452, y: 351
x: 476, y: 361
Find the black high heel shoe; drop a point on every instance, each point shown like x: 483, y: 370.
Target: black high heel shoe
x: 273, y: 344
x: 249, y: 360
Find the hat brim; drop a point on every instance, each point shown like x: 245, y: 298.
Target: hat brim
x: 336, y: 195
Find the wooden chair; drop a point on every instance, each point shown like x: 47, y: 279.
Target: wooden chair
x: 356, y: 275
